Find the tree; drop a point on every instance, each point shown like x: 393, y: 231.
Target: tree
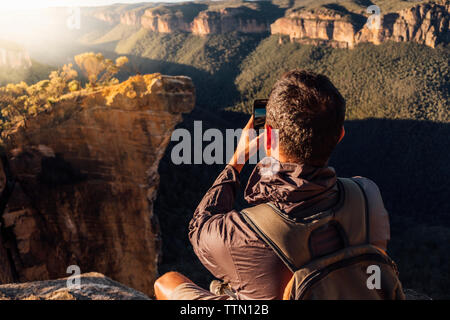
x: 97, y: 69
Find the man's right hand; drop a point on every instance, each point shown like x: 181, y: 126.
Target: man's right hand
x: 247, y: 146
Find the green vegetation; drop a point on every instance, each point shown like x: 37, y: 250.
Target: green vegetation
x: 117, y: 33
x: 186, y: 11
x: 98, y: 70
x: 19, y: 102
x: 211, y: 61
x: 37, y: 72
x: 392, y: 80
x: 356, y: 6
x: 15, y: 74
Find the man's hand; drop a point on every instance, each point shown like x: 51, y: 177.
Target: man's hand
x: 247, y: 146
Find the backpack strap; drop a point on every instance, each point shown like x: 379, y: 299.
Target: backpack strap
x: 291, y: 239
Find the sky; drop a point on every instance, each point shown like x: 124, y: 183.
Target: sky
x: 8, y: 5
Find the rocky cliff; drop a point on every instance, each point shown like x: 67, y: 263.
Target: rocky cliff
x: 93, y: 286
x: 78, y: 183
x: 426, y: 23
x: 132, y: 18
x: 197, y: 18
x: 331, y: 24
x: 228, y: 20
x: 323, y: 25
x: 13, y: 56
x: 164, y: 22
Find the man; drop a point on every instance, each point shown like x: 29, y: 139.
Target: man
x: 308, y: 112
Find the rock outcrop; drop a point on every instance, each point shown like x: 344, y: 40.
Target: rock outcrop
x: 196, y: 18
x: 323, y: 26
x: 132, y: 17
x: 205, y: 22
x: 228, y: 20
x: 14, y: 57
x: 426, y: 23
x: 93, y: 286
x: 164, y: 22
x: 108, y: 16
x: 79, y: 183
x: 330, y: 24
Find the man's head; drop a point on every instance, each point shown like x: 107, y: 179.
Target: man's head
x: 309, y: 113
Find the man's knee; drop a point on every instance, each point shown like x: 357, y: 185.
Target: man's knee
x: 167, y: 283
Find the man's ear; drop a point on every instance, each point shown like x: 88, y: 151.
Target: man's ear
x: 342, y: 134
x: 268, y: 137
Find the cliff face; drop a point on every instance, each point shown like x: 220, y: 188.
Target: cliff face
x: 106, y: 16
x: 132, y: 18
x: 328, y: 27
x: 80, y: 181
x: 227, y: 20
x: 15, y: 59
x: 166, y: 23
x: 197, y: 19
x: 426, y: 23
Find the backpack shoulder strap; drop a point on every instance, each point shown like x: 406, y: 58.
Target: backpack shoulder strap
x: 290, y: 239
x: 353, y: 216
x: 278, y: 232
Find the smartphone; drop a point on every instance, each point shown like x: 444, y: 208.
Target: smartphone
x: 259, y: 113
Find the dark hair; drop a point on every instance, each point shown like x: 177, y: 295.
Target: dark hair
x: 309, y: 113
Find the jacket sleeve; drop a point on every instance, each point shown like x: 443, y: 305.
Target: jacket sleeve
x: 208, y: 229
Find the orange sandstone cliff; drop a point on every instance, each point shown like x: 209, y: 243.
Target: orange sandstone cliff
x: 426, y: 23
x: 78, y: 183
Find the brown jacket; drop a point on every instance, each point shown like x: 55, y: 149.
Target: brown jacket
x: 234, y: 253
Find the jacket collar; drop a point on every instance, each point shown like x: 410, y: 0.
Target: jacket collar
x: 296, y: 189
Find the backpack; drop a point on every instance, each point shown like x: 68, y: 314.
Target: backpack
x: 329, y: 253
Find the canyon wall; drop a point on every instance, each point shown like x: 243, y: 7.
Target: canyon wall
x: 14, y: 56
x: 330, y: 24
x: 227, y: 20
x: 426, y: 23
x: 196, y: 19
x: 78, y: 183
x: 164, y: 23
x: 327, y: 26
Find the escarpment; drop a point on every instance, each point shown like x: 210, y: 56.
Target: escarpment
x: 330, y: 24
x: 196, y: 18
x: 228, y: 20
x: 426, y: 23
x: 324, y: 26
x: 13, y: 56
x: 164, y: 22
x: 205, y: 22
x: 78, y: 182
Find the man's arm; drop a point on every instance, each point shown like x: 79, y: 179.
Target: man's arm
x: 207, y: 229
x: 209, y: 232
